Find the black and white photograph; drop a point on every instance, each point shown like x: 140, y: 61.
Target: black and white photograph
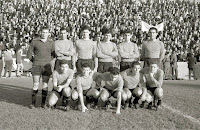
x: 100, y: 64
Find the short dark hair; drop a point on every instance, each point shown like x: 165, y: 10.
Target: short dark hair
x: 114, y: 70
x: 85, y: 65
x: 66, y: 29
x: 135, y: 63
x: 153, y: 28
x: 154, y: 61
x: 63, y: 62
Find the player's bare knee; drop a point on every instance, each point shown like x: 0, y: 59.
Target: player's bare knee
x: 158, y: 93
x: 149, y: 98
x: 128, y: 93
x: 104, y: 96
x: 96, y: 94
x: 45, y: 86
x: 35, y: 86
x: 74, y: 95
x: 137, y: 91
x: 52, y: 102
x: 67, y: 92
x: 124, y: 96
x: 53, y: 99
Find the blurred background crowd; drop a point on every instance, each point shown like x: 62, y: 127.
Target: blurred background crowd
x: 21, y: 20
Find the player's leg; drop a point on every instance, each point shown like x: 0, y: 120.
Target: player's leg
x: 22, y: 68
x: 176, y: 73
x: 158, y: 95
x: 74, y: 95
x: 190, y: 72
x: 1, y: 67
x: 46, y: 72
x: 53, y: 98
x: 6, y: 68
x: 36, y: 83
x: 127, y: 95
x: 124, y: 65
x: 138, y: 93
x: 66, y: 92
x: 57, y: 64
x: 10, y: 67
x: 17, y: 70
x: 100, y: 67
x: 150, y: 97
x: 93, y: 95
x: 118, y: 95
x: 104, y: 96
x: 45, y: 80
x: 194, y: 74
x: 75, y: 98
x: 78, y: 66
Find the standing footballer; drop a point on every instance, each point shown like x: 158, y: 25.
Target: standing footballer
x: 40, y: 52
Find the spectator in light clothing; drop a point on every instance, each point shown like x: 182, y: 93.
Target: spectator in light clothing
x: 174, y: 65
x: 18, y: 51
x: 166, y: 65
x: 8, y: 59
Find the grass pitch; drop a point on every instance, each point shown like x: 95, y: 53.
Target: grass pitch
x: 180, y: 110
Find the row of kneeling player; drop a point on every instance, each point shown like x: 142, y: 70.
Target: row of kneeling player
x: 132, y: 88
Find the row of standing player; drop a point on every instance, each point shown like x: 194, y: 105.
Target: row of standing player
x: 41, y: 49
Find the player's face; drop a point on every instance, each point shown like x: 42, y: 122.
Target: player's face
x: 153, y: 68
x: 45, y: 34
x: 64, y: 67
x: 63, y: 34
x: 86, y: 34
x: 153, y: 34
x: 108, y: 37
x: 136, y: 69
x: 127, y: 36
x: 114, y: 77
x: 86, y: 71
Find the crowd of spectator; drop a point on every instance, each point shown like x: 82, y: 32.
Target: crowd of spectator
x: 21, y: 20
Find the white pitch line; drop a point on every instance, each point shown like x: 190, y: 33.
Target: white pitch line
x: 181, y: 113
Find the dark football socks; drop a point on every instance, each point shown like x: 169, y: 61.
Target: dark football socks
x: 34, y: 96
x: 44, y: 96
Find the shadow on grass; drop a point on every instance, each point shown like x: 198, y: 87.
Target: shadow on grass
x: 17, y: 95
x: 22, y: 96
